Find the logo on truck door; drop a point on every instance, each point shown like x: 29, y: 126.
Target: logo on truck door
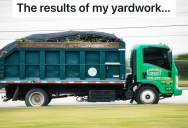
x: 154, y: 72
x: 92, y: 71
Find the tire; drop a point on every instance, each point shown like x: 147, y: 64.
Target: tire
x: 49, y: 100
x: 36, y: 97
x: 147, y: 95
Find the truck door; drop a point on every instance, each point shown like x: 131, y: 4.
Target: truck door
x: 155, y: 67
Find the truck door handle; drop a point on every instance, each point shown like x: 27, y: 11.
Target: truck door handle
x: 144, y: 74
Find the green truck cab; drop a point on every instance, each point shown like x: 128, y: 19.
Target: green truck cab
x: 153, y: 67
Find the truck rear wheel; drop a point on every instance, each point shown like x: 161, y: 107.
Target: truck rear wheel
x: 147, y: 95
x: 36, y: 97
x: 49, y: 100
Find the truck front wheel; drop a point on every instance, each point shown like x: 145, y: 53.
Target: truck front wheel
x: 36, y: 97
x: 147, y: 95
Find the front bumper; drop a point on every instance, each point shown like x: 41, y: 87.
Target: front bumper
x: 178, y: 91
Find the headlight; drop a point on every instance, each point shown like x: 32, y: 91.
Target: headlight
x: 176, y: 81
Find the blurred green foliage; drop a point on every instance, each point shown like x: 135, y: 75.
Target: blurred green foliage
x: 182, y: 67
x: 182, y: 57
x: 2, y: 89
x: 183, y: 83
x: 181, y: 62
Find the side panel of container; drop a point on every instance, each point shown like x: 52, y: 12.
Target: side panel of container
x: 64, y: 64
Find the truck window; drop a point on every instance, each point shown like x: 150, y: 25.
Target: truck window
x: 156, y: 56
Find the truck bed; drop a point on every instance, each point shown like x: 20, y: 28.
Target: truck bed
x: 64, y: 63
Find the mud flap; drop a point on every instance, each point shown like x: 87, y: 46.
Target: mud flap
x: 15, y: 97
x: 135, y: 94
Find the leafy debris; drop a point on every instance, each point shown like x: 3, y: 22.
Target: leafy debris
x: 22, y: 40
x: 3, y: 53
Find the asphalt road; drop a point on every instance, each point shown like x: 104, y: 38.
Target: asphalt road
x: 71, y: 101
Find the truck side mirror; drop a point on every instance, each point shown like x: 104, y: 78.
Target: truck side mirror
x: 170, y: 57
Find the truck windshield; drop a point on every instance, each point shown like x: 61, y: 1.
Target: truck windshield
x: 156, y: 56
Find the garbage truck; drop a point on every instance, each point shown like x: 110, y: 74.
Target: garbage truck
x: 52, y: 66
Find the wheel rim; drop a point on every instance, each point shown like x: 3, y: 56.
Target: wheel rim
x: 147, y: 96
x: 36, y: 99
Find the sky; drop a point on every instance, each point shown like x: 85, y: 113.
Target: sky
x: 176, y: 37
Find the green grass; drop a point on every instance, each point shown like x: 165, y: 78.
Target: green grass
x: 102, y: 116
x: 183, y: 83
x: 2, y: 89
